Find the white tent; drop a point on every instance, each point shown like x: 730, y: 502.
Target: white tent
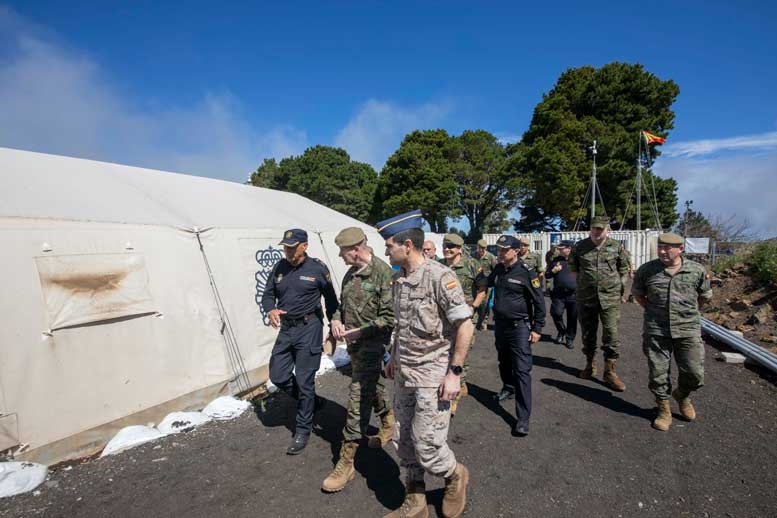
x: 129, y: 293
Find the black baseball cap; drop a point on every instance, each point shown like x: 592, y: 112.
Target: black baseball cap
x: 508, y: 242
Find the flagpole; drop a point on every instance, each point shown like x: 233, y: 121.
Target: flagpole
x: 639, y: 183
x: 593, y: 186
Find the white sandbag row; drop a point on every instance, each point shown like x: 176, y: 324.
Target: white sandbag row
x: 20, y: 477
x: 220, y: 409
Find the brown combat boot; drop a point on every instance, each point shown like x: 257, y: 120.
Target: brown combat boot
x: 455, y: 492
x: 385, y: 433
x: 686, y: 408
x: 344, y: 470
x: 664, y: 418
x: 414, y: 505
x: 611, y: 378
x: 590, y: 367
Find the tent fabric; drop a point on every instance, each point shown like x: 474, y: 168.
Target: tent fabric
x: 128, y: 288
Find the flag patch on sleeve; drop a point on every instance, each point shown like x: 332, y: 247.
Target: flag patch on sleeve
x: 451, y: 284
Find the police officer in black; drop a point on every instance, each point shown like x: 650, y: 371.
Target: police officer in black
x: 292, y: 299
x: 562, y: 297
x: 519, y: 315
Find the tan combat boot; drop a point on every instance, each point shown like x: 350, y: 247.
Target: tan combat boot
x: 590, y: 367
x: 686, y: 408
x: 344, y: 470
x: 385, y: 433
x: 414, y: 505
x: 664, y: 418
x: 611, y: 378
x: 455, y: 492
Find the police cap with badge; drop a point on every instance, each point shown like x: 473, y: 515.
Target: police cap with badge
x: 294, y: 237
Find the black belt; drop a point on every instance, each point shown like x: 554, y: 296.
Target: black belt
x: 291, y: 322
x: 510, y: 322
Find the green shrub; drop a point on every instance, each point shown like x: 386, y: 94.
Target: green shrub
x: 763, y: 262
x: 726, y: 262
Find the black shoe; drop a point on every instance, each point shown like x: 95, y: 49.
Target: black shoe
x: 504, y: 394
x: 569, y: 343
x: 521, y: 429
x: 298, y: 443
x: 560, y: 338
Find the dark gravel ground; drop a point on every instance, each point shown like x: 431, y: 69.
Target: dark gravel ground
x: 591, y: 452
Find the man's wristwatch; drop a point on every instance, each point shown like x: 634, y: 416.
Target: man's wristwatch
x: 456, y: 369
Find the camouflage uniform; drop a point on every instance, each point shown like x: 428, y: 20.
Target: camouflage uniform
x: 366, y: 305
x: 601, y: 276
x: 533, y: 261
x: 672, y: 324
x: 487, y: 263
x: 427, y: 304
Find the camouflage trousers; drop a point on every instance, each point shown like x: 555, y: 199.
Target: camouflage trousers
x: 421, y: 431
x: 367, y: 393
x: 689, y: 356
x: 589, y: 315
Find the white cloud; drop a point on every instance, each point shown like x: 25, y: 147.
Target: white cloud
x: 507, y: 138
x: 379, y: 127
x: 741, y: 185
x: 695, y: 148
x: 56, y: 100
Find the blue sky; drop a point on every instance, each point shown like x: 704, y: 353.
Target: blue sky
x: 212, y: 88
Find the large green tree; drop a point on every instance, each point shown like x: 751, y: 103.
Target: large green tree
x: 485, y: 189
x: 611, y: 105
x: 326, y: 175
x: 419, y: 175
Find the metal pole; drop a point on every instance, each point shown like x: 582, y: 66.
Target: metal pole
x: 593, y: 185
x: 639, y: 184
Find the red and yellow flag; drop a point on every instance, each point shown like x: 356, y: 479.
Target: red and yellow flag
x: 653, y: 139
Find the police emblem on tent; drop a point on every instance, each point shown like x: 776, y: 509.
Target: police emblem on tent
x: 266, y: 259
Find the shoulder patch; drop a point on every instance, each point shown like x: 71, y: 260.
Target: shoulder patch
x: 535, y: 282
x: 450, y: 285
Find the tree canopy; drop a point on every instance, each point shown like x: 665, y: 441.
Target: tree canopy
x: 611, y: 105
x: 326, y: 175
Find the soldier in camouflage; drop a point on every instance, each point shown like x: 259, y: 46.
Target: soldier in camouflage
x: 430, y: 341
x: 530, y: 259
x: 364, y: 320
x: 671, y: 289
x: 487, y: 263
x: 467, y: 270
x: 602, y: 266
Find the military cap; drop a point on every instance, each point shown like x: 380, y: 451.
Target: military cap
x: 482, y: 243
x: 524, y: 241
x: 350, y: 236
x: 294, y: 237
x: 567, y: 243
x: 670, y: 238
x: 507, y: 242
x: 406, y: 221
x: 454, y: 239
x: 600, y: 222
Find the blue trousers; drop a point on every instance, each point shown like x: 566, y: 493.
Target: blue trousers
x: 298, y: 348
x: 514, y: 354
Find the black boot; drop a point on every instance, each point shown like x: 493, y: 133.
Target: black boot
x: 559, y: 338
x: 570, y: 343
x: 298, y: 443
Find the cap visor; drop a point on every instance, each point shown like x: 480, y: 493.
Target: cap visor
x: 289, y: 243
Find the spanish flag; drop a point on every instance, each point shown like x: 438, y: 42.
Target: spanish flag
x: 652, y: 139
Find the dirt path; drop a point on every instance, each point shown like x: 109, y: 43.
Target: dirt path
x: 591, y: 452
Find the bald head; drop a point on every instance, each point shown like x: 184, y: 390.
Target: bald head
x: 429, y: 250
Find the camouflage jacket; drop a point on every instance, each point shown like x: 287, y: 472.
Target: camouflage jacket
x: 365, y: 300
x: 533, y: 261
x: 672, y: 308
x: 466, y: 270
x: 601, y: 271
x: 487, y: 263
x: 428, y: 304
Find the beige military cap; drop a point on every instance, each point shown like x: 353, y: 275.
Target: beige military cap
x: 350, y: 236
x: 453, y: 239
x: 670, y: 238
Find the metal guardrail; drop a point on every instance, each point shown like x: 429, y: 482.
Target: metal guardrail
x: 746, y: 347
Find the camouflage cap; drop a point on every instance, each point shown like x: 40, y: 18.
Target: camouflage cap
x: 482, y: 243
x: 453, y: 239
x: 350, y: 236
x: 670, y: 238
x: 524, y: 241
x: 600, y: 222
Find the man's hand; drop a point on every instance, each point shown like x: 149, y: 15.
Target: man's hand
x: 275, y: 317
x: 534, y: 337
x: 337, y: 328
x: 556, y: 268
x: 450, y: 388
x: 388, y: 370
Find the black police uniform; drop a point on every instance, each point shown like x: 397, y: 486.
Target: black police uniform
x: 298, y: 291
x: 519, y: 307
x: 562, y: 298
